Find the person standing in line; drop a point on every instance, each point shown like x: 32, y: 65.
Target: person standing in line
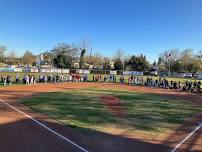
x: 4, y: 80
x: 31, y: 80
x: 27, y: 79
x: 17, y: 78
x: 9, y: 79
x: 179, y: 85
x: 62, y: 78
x: 199, y: 86
x: 70, y: 77
x: 34, y: 80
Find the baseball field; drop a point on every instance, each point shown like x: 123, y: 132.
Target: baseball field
x: 99, y: 117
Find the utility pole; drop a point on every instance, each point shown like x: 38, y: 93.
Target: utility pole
x: 91, y: 50
x: 169, y: 69
x: 168, y: 57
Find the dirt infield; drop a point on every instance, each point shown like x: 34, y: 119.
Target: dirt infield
x: 20, y: 134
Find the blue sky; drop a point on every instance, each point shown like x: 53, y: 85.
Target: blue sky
x: 136, y: 26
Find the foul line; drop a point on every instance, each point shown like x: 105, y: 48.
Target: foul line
x: 185, y: 139
x: 52, y: 131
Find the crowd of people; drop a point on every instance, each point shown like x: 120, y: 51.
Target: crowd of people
x: 31, y: 79
x: 56, y: 78
x: 191, y: 86
x: 6, y: 79
x: 131, y: 80
x: 105, y: 78
x: 134, y: 80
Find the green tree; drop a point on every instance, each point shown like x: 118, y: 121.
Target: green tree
x: 154, y: 63
x: 138, y: 63
x: 62, y: 60
x: 177, y: 67
x: 118, y: 65
x: 65, y: 55
x: 81, y: 62
x: 118, y: 59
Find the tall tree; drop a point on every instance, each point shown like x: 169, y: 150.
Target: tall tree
x: 138, y: 63
x: 176, y: 61
x: 106, y: 63
x: 168, y: 59
x: 3, y: 50
x: 119, y: 54
x: 118, y: 64
x: 81, y: 62
x: 65, y: 55
x: 118, y: 59
x: 186, y: 60
x: 11, y: 57
x: 154, y: 63
x: 84, y: 47
x: 62, y: 60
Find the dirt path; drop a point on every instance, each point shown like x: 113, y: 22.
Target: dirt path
x: 113, y: 104
x: 26, y: 136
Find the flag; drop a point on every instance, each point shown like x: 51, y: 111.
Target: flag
x: 168, y: 55
x: 101, y: 67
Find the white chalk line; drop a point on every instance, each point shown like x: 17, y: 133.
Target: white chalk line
x: 187, y: 137
x: 44, y: 126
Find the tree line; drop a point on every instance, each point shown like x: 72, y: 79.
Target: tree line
x: 180, y: 61
x: 70, y: 56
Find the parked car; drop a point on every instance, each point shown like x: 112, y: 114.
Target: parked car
x: 181, y: 75
x: 188, y: 75
x: 154, y: 73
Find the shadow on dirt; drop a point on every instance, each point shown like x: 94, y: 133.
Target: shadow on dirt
x: 27, y: 136
x: 194, y: 143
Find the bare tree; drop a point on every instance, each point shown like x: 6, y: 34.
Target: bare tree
x: 85, y: 44
x: 3, y: 50
x: 119, y: 54
x: 28, y: 58
x: 168, y: 59
x: 186, y: 58
x: 118, y: 59
x: 11, y: 57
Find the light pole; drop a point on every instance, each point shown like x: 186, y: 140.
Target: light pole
x: 169, y: 69
x: 90, y: 57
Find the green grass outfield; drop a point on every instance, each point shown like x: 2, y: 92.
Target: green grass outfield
x: 144, y: 113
